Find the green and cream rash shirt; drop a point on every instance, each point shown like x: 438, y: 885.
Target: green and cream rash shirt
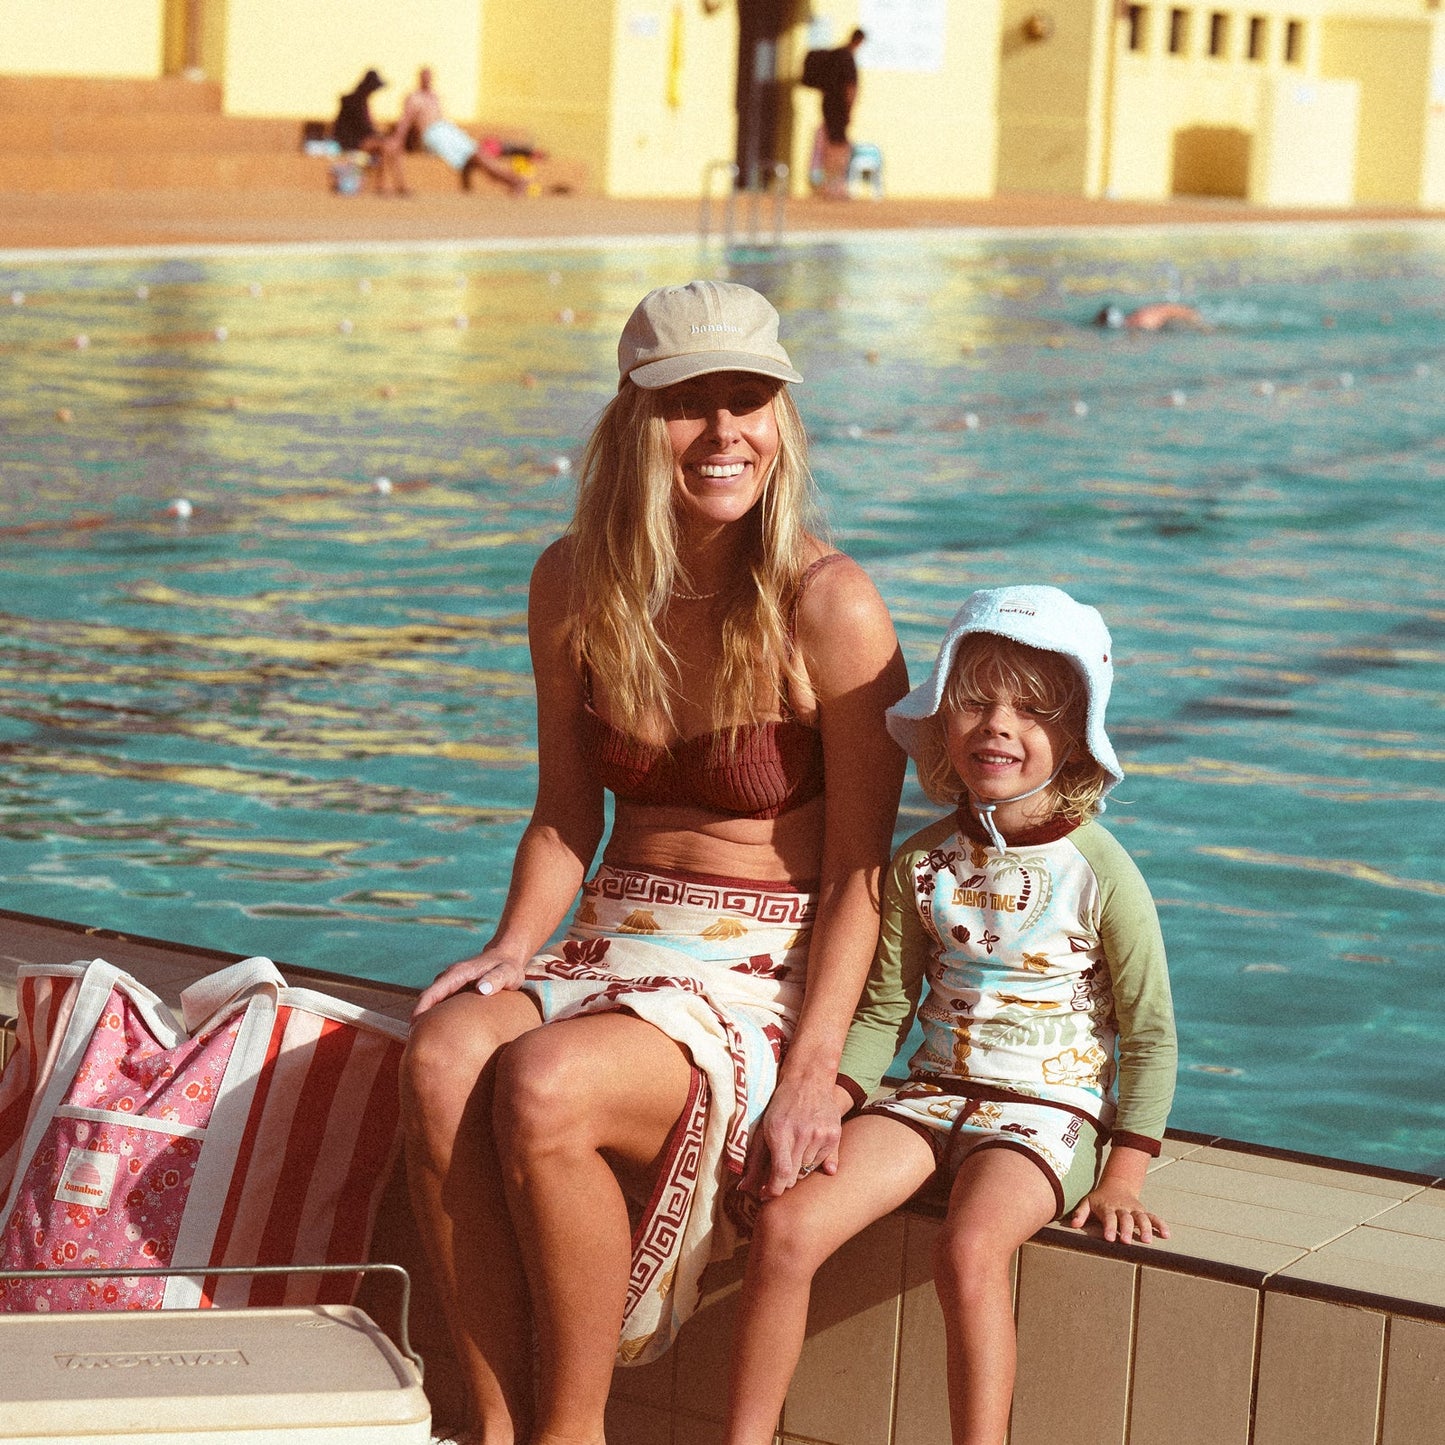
x: 1045, y: 969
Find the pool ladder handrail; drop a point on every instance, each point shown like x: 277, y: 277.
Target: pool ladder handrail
x: 762, y: 179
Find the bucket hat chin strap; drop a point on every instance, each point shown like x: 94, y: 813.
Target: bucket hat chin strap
x: 984, y: 811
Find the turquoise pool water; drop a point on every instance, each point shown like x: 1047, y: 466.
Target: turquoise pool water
x: 298, y: 722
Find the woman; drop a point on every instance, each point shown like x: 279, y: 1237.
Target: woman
x: 724, y: 672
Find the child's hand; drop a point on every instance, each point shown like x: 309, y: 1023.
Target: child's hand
x: 1120, y: 1213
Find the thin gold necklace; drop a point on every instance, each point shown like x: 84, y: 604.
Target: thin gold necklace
x: 683, y: 595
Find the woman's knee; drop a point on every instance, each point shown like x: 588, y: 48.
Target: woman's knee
x: 540, y: 1095
x: 446, y: 1055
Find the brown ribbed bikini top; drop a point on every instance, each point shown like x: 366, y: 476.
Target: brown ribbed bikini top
x: 771, y: 768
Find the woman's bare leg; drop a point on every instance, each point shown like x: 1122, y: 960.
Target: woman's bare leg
x: 575, y: 1102
x: 447, y: 1080
x: 881, y: 1162
x: 1000, y: 1199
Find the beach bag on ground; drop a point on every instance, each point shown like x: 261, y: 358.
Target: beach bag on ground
x: 260, y: 1128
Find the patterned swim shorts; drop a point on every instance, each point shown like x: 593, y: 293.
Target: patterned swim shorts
x: 1065, y: 1145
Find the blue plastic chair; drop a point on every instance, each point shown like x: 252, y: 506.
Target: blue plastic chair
x: 865, y: 168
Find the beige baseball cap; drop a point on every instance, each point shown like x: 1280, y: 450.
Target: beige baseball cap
x: 678, y: 332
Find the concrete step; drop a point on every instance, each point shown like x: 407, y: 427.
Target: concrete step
x: 50, y: 95
x: 69, y: 172
x: 145, y: 131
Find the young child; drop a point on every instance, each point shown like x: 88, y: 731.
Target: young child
x: 1046, y: 988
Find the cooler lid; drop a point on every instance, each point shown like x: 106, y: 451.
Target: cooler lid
x: 188, y: 1370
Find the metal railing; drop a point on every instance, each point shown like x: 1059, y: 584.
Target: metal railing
x: 763, y: 181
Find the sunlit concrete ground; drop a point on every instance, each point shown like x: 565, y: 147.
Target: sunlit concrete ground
x: 185, y: 217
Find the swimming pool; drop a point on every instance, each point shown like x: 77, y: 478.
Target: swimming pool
x: 298, y: 722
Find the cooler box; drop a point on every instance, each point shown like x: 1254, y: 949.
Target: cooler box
x: 322, y: 1375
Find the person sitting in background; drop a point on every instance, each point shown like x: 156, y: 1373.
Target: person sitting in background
x: 421, y: 116
x: 353, y: 128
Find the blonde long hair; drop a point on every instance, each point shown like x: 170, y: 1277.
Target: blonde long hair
x: 989, y: 666
x: 626, y: 566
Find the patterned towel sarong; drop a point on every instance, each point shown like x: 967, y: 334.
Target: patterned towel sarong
x: 719, y: 965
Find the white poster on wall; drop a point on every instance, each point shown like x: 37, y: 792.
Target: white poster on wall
x: 902, y: 35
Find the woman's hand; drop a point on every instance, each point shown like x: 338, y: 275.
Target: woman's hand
x: 797, y: 1134
x: 489, y: 971
x: 1120, y: 1213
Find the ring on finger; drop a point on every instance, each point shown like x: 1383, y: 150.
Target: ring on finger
x: 805, y: 1170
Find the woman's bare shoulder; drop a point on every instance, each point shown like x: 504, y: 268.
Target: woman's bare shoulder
x: 552, y: 576
x: 833, y: 579
x: 844, y: 630
x: 556, y: 562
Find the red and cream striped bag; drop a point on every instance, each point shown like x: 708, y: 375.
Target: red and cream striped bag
x: 260, y: 1128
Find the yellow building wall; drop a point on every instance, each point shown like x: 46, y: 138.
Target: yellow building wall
x: 1052, y: 98
x: 81, y: 37
x: 297, y: 57
x: 547, y: 70
x: 641, y: 91
x: 937, y: 130
x: 1187, y: 121
x: 1305, y: 143
x: 1432, y: 180
x: 673, y: 104
x: 1398, y: 64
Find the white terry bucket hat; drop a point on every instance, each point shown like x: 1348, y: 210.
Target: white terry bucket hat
x: 1043, y: 617
x: 678, y: 332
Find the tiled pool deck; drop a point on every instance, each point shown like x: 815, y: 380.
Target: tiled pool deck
x: 1299, y: 1301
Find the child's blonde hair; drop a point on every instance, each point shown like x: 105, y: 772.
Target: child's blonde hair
x: 994, y: 668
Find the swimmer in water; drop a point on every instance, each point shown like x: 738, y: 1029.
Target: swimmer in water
x: 1156, y: 316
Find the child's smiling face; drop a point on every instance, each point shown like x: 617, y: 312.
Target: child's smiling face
x: 1007, y: 728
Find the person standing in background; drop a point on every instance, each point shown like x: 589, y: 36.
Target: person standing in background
x: 840, y: 91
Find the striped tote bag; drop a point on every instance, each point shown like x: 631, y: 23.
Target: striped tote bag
x: 259, y: 1128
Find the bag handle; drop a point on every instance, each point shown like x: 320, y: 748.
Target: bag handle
x: 209, y: 995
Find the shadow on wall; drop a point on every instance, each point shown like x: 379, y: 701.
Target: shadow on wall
x: 1211, y: 160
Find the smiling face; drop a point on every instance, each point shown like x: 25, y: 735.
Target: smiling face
x: 1008, y: 724
x: 724, y: 437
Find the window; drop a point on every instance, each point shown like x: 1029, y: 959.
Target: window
x: 1255, y: 50
x: 1178, y: 31
x: 1218, y: 33
x: 1294, y: 35
x: 1136, y: 21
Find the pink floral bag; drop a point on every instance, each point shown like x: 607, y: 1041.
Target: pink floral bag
x: 259, y: 1129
